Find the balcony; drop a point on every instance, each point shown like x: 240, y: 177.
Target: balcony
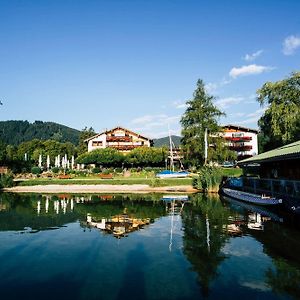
x: 240, y: 148
x: 238, y: 139
x: 119, y: 139
x: 124, y: 147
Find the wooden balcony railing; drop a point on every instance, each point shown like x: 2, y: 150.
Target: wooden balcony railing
x: 124, y: 147
x: 238, y: 139
x: 240, y: 148
x: 119, y: 139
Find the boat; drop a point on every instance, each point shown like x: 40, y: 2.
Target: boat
x: 251, y: 198
x: 254, y: 208
x: 172, y: 174
x: 175, y: 197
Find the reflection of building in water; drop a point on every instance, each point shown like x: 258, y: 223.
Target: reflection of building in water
x: 252, y: 221
x: 119, y: 225
x: 255, y: 221
x: 3, y: 206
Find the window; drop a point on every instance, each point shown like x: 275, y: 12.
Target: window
x: 239, y: 134
x: 97, y: 143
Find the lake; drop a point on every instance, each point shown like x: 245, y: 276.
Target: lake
x: 143, y: 247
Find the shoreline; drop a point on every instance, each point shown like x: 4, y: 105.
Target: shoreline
x: 100, y: 188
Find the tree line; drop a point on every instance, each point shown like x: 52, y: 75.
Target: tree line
x: 279, y: 125
x: 17, y: 132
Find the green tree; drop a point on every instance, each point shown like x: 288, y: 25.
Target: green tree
x: 145, y: 156
x: 200, y: 114
x: 280, y: 123
x: 85, y: 134
x: 107, y: 157
x: 2, y: 151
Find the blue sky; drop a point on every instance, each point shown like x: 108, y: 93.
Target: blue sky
x: 135, y: 63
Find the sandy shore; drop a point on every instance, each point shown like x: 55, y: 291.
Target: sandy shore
x: 104, y: 188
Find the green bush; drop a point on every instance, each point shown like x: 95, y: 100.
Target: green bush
x: 148, y: 169
x: 106, y: 171
x: 6, y: 180
x: 55, y: 170
x: 208, y: 180
x: 96, y: 170
x: 155, y: 182
x: 36, y: 170
x: 118, y: 170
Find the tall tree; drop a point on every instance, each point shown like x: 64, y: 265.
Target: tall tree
x: 280, y: 123
x: 85, y: 134
x: 200, y: 114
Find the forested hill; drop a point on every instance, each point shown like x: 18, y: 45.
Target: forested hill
x: 166, y: 142
x: 16, y: 132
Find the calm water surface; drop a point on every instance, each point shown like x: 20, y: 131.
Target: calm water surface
x: 141, y: 247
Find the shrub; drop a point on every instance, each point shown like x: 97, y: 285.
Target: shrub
x: 36, y: 170
x: 118, y: 170
x: 208, y: 180
x: 155, y: 182
x: 55, y: 170
x: 6, y: 180
x: 148, y: 169
x: 96, y: 170
x: 106, y: 171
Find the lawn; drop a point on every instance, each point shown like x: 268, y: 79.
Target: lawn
x: 115, y: 181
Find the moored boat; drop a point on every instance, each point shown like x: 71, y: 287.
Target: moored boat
x: 251, y: 198
x: 172, y: 174
x: 254, y: 208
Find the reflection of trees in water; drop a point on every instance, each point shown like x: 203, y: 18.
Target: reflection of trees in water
x: 204, y: 236
x: 281, y: 243
x: 21, y: 212
x: 284, y: 279
x: 45, y: 212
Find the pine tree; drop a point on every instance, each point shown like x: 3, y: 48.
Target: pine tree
x: 200, y: 114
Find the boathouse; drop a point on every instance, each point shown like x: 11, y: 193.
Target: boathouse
x: 277, y: 171
x: 118, y: 138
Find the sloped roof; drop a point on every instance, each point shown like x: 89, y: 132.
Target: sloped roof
x: 115, y: 128
x: 237, y: 127
x: 290, y: 151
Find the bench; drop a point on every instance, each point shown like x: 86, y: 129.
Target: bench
x: 106, y: 176
x: 64, y: 177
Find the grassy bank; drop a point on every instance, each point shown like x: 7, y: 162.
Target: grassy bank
x: 140, y: 178
x: 115, y: 181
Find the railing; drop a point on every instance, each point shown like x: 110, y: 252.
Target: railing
x: 124, y: 147
x: 119, y: 139
x: 238, y: 139
x: 241, y: 148
x: 275, y: 187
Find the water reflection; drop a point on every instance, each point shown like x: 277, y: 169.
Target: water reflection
x: 204, y: 236
x: 213, y: 248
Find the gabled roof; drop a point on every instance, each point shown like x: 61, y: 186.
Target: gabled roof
x: 290, y: 151
x: 116, y: 128
x: 237, y: 127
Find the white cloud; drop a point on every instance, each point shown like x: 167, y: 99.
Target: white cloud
x: 213, y: 86
x: 253, y: 56
x: 146, y: 119
x: 248, y: 70
x: 252, y: 118
x: 290, y: 44
x: 179, y: 104
x: 256, y: 285
x: 156, y: 126
x: 226, y: 102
